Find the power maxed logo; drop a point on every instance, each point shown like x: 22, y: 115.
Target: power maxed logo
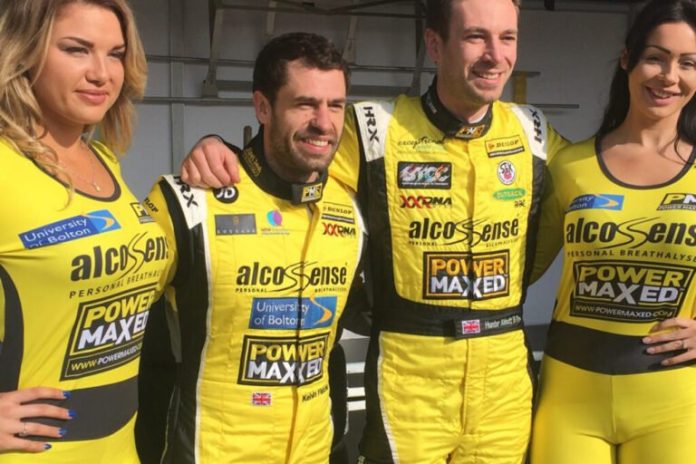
x: 278, y: 361
x: 108, y: 332
x: 685, y: 201
x: 471, y: 276
x: 629, y: 291
x: 76, y: 227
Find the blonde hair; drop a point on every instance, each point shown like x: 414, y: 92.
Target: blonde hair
x: 25, y: 29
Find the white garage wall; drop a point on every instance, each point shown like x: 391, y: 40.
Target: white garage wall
x: 575, y: 52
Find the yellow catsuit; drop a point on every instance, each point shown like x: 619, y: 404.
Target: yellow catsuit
x: 450, y: 208
x: 629, y: 262
x: 77, y: 279
x: 263, y: 273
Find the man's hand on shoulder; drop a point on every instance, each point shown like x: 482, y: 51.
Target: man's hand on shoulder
x: 210, y: 164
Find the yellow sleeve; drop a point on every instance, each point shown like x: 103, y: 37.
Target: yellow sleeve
x: 345, y: 167
x: 155, y: 203
x: 556, y: 142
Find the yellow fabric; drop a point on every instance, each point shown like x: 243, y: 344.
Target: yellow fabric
x: 85, y: 274
x: 582, y: 416
x: 471, y: 405
x: 450, y: 217
x: 269, y: 254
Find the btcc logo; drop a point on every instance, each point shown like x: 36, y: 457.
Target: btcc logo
x: 629, y: 291
x: 424, y: 175
x: 280, y: 361
x: 108, y: 332
x: 338, y: 230
x: 420, y: 201
x: 685, y: 201
x: 478, y: 276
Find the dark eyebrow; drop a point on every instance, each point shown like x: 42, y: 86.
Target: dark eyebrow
x: 668, y: 51
x: 481, y: 30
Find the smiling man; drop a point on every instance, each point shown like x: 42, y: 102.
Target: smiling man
x: 450, y: 185
x: 259, y: 285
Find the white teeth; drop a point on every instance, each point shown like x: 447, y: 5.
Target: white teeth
x: 317, y: 143
x: 660, y: 94
x: 487, y: 75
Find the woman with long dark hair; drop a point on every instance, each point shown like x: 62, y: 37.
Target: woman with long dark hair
x: 618, y: 384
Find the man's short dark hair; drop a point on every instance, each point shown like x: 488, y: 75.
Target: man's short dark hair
x: 313, y: 50
x: 439, y: 12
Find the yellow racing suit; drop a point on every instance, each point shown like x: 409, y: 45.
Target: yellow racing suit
x: 78, y: 278
x: 450, y: 208
x: 264, y: 269
x: 629, y: 262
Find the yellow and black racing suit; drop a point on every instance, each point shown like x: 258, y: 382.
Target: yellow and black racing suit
x: 450, y: 209
x: 264, y: 269
x: 629, y: 262
x: 78, y: 278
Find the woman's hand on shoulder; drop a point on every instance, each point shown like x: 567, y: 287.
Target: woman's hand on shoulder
x: 18, y: 409
x: 676, y: 335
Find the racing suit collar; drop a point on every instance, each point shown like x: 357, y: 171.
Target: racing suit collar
x: 253, y: 160
x: 448, y: 123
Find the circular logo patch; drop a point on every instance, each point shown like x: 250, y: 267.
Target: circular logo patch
x: 506, y: 172
x: 226, y: 194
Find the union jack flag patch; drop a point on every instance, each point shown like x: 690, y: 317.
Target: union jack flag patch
x: 261, y: 399
x: 471, y: 327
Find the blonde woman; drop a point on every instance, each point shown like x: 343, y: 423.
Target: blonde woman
x: 80, y: 261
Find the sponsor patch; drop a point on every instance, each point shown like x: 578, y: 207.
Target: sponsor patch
x: 471, y: 132
x: 294, y: 277
x: 424, y: 202
x: 598, y: 201
x: 310, y: 193
x: 478, y: 276
x: 429, y: 231
x: 284, y: 314
x: 424, y: 175
x: 185, y: 192
x: 108, y: 332
x: 685, y: 201
x: 504, y: 146
x: 235, y: 224
x: 141, y: 213
x: 338, y: 213
x: 274, y: 218
x: 278, y: 361
x: 506, y: 172
x: 120, y: 261
x: 66, y: 230
x: 261, y: 399
x: 338, y: 230
x: 633, y: 233
x: 509, y: 194
x: 226, y: 195
x: 629, y: 291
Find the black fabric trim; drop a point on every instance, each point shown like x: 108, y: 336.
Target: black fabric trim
x: 12, y: 347
x: 452, y: 126
x: 184, y: 247
x: 688, y: 165
x: 253, y: 160
x: 447, y: 321
x: 193, y: 305
x: 101, y: 411
x: 603, y: 352
x: 539, y: 179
